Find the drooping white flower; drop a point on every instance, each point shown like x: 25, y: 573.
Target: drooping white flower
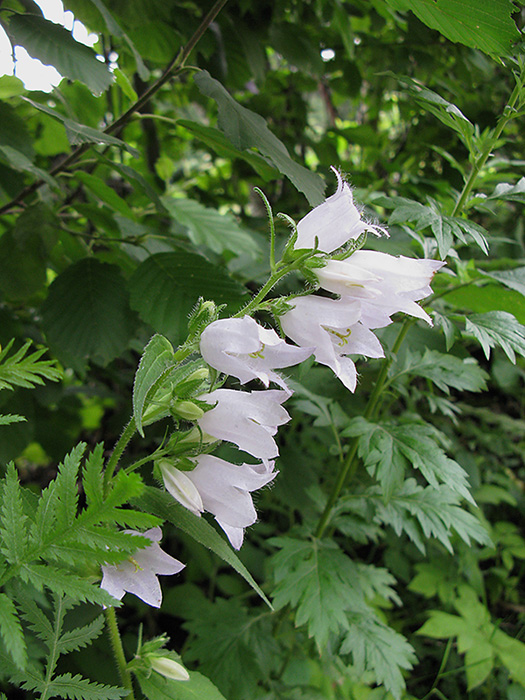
x: 385, y: 284
x: 335, y: 222
x: 248, y: 419
x: 334, y: 327
x: 224, y: 490
x: 244, y: 349
x: 138, y: 574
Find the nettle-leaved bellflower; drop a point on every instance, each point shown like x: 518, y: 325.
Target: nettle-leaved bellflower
x: 138, y: 574
x: 224, y: 490
x: 248, y: 419
x: 334, y: 222
x: 384, y: 284
x: 334, y: 328
x: 244, y: 349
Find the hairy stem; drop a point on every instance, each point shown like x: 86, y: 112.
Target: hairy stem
x: 121, y: 445
x: 118, y: 651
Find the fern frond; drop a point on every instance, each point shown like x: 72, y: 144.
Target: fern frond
x: 81, y: 636
x: 78, y: 688
x: 9, y: 418
x: 66, y: 487
x: 62, y: 582
x: 25, y: 371
x: 11, y: 631
x: 13, y: 531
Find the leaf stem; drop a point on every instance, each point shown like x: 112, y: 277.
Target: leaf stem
x: 118, y: 651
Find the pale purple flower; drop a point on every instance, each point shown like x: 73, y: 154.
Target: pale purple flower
x: 244, y: 349
x: 335, y: 222
x: 138, y: 574
x: 224, y: 490
x: 335, y: 329
x: 385, y: 284
x: 248, y: 419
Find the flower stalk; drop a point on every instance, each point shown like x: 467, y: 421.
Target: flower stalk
x: 118, y: 651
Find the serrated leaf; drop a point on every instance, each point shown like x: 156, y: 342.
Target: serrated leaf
x: 218, y: 232
x: 9, y: 418
x: 26, y: 371
x: 157, y: 360
x: 497, y: 328
x: 375, y: 646
x: 389, y: 448
x: 444, y: 370
x: 155, y: 687
x: 166, y: 286
x: 54, y: 45
x: 66, y: 487
x: 486, y: 26
x: 161, y: 504
x: 62, y: 582
x: 86, y: 314
x: 13, y: 543
x: 11, y: 631
x: 93, y: 477
x: 319, y: 582
x: 80, y: 636
x: 246, y: 129
x: 78, y: 688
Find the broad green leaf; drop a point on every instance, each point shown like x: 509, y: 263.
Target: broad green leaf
x: 166, y: 286
x: 19, y: 161
x: 490, y: 297
x: 375, y: 646
x: 86, y: 314
x: 215, y: 139
x: 479, y: 662
x: 510, y: 193
x: 246, y: 129
x: 163, y: 505
x: 78, y: 133
x: 488, y: 26
x: 106, y: 193
x: 497, y: 328
x: 156, y: 687
x: 11, y: 631
x: 514, y: 279
x: 442, y: 625
x: 25, y: 251
x: 54, y: 45
x: 13, y: 130
x: 512, y: 654
x: 219, y: 232
x: 156, y: 361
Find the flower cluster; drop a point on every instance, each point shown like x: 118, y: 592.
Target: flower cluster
x: 371, y: 286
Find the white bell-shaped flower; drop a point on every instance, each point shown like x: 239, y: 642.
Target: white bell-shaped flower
x: 334, y: 327
x: 225, y: 491
x: 334, y: 222
x: 248, y: 419
x: 385, y: 284
x: 244, y: 349
x: 138, y: 574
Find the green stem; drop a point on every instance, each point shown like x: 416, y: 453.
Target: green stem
x: 506, y: 117
x: 263, y: 291
x: 118, y: 651
x: 349, y: 466
x: 121, y: 445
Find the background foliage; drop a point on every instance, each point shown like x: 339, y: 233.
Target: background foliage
x: 125, y: 195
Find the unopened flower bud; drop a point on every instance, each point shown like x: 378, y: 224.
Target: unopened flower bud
x: 181, y: 487
x: 169, y: 668
x: 187, y: 410
x: 204, y: 312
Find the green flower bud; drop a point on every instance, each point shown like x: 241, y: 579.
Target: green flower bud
x: 169, y: 668
x: 187, y: 410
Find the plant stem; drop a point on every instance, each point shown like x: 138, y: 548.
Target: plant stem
x: 118, y: 651
x: 263, y: 291
x: 176, y: 66
x: 121, y: 445
x: 506, y: 117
